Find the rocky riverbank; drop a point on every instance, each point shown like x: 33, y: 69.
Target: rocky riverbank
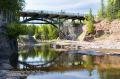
x: 108, y: 45
x: 107, y: 30
x: 107, y: 35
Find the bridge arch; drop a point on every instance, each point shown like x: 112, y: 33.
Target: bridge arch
x: 47, y: 21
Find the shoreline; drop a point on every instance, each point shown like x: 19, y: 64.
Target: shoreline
x: 111, y: 46
x: 88, y: 45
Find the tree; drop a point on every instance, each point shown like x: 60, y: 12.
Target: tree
x: 101, y: 12
x: 31, y: 29
x: 112, y: 10
x: 46, y: 32
x: 16, y: 29
x: 90, y: 23
x: 53, y: 32
x: 11, y: 8
x: 117, y: 8
x: 8, y: 11
x: 12, y: 5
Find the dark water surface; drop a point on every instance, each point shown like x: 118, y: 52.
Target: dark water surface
x: 68, y: 64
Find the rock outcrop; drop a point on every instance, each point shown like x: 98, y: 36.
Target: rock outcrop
x: 72, y: 30
x: 7, y: 45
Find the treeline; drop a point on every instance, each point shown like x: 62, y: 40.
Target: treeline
x: 44, y: 32
x: 111, y: 10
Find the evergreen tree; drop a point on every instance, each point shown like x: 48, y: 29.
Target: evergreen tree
x: 101, y: 12
x: 90, y: 23
x: 113, y: 9
x: 117, y: 8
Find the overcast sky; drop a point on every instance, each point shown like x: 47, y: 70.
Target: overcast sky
x: 73, y: 6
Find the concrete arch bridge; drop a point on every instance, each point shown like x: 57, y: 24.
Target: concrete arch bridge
x: 56, y: 19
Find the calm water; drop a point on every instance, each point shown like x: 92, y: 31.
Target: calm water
x: 69, y: 64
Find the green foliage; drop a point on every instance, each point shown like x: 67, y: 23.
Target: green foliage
x: 118, y: 15
x: 16, y: 29
x: 11, y: 9
x: 44, y: 52
x: 117, y: 8
x: 46, y: 32
x: 12, y: 5
x: 111, y: 10
x: 90, y: 16
x: 101, y: 12
x: 53, y: 32
x: 31, y: 29
x: 90, y: 23
x: 110, y: 13
x: 90, y: 27
x: 38, y: 34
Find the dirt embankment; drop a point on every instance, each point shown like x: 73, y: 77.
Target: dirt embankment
x: 108, y: 30
x: 107, y: 35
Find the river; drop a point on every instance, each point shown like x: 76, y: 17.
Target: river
x: 44, y: 62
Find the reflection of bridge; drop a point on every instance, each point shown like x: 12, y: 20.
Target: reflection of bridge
x: 62, y: 59
x: 67, y: 62
x: 46, y: 17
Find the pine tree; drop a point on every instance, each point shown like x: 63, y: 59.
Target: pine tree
x: 113, y: 9
x: 117, y: 8
x: 101, y: 12
x: 90, y: 23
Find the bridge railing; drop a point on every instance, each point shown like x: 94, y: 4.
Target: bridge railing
x: 56, y: 13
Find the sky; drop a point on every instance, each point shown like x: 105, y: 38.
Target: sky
x: 73, y: 6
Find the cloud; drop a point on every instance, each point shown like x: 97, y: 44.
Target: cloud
x: 66, y: 5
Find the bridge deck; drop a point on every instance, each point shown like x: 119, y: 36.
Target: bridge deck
x: 47, y: 14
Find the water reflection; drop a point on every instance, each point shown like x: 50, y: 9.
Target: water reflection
x: 38, y: 55
x: 66, y: 65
